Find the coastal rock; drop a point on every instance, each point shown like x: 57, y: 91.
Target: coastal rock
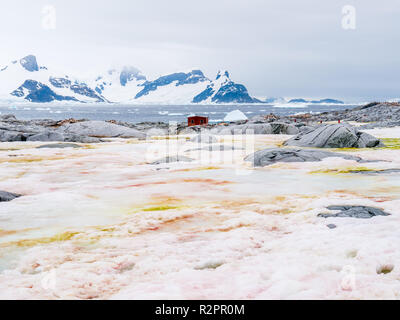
x: 170, y: 159
x: 11, y: 136
x: 8, y: 196
x: 101, y: 129
x: 81, y: 139
x: 334, y: 136
x: 259, y: 128
x: 267, y: 157
x: 360, y: 212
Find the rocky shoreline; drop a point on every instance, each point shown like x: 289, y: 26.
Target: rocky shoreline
x: 89, y: 131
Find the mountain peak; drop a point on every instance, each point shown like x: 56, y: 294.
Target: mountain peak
x: 222, y: 73
x: 29, y: 63
x: 129, y: 73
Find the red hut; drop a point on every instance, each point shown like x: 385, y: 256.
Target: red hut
x: 197, y: 121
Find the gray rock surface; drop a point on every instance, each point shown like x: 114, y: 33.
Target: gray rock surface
x: 267, y: 157
x: 360, y: 212
x: 170, y: 159
x: 383, y: 171
x: 47, y: 136
x: 100, y: 129
x: 8, y: 196
x: 258, y: 128
x: 334, y: 136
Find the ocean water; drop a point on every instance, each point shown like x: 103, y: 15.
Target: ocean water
x: 154, y: 113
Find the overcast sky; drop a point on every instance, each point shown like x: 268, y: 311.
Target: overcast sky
x: 276, y: 48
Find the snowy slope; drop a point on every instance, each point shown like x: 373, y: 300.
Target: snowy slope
x: 177, y: 88
x: 119, y: 85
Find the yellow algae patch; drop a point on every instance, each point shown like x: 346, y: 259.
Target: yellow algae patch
x: 160, y: 208
x: 271, y: 211
x: 391, y: 143
x: 65, y: 236
x: 31, y: 159
x: 89, y: 146
x: 198, y: 169
x: 345, y: 170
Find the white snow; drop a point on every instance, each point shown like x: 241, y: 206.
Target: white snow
x: 101, y: 223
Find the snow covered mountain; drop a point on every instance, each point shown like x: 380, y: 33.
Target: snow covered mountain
x: 26, y: 80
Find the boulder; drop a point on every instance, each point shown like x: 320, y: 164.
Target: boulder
x: 8, y: 196
x: 100, y: 129
x: 270, y: 156
x: 360, y: 212
x: 334, y: 136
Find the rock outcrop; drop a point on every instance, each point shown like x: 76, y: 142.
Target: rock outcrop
x: 334, y: 136
x: 8, y: 196
x: 101, y: 129
x: 267, y: 157
x: 360, y: 212
x: 12, y: 130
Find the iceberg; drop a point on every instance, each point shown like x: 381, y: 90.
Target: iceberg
x: 235, y: 115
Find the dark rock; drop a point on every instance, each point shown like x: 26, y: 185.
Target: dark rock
x: 360, y: 212
x: 383, y: 171
x: 331, y: 226
x: 29, y: 63
x: 270, y: 156
x: 8, y: 196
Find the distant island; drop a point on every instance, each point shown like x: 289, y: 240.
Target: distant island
x: 331, y: 101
